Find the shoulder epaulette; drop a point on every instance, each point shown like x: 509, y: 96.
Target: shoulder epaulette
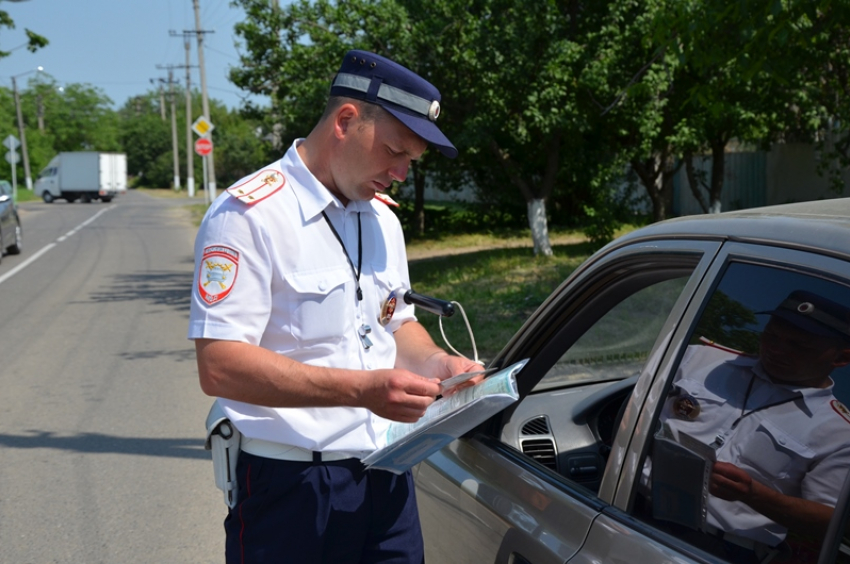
x: 840, y: 409
x: 710, y: 343
x: 381, y: 197
x: 258, y: 187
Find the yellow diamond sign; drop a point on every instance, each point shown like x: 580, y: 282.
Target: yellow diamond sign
x: 202, y: 126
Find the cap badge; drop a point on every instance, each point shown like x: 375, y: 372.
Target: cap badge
x: 219, y: 266
x: 434, y: 111
x: 686, y: 407
x: 806, y: 308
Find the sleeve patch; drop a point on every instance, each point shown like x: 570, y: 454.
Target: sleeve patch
x: 258, y: 187
x: 217, y: 276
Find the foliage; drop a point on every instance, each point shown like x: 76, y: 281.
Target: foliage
x: 80, y: 117
x: 293, y: 52
x: 453, y: 218
x: 74, y: 118
x: 147, y: 140
x: 552, y: 100
x: 34, y: 40
x: 726, y: 321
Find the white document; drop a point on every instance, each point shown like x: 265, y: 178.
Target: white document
x: 446, y: 420
x: 459, y: 379
x: 681, y: 470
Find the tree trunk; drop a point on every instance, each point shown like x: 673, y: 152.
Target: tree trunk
x: 718, y: 169
x: 695, y: 181
x: 656, y: 175
x: 539, y: 227
x: 537, y: 220
x: 648, y: 171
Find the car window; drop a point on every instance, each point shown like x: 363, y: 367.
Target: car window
x: 600, y: 338
x: 5, y: 188
x: 617, y: 345
x: 751, y: 445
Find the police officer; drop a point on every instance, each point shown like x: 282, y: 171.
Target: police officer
x: 782, y: 440
x: 294, y: 266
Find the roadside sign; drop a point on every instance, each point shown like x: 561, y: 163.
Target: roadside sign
x: 11, y: 142
x: 202, y: 126
x: 12, y: 157
x: 203, y: 146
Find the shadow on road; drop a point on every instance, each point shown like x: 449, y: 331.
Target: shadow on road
x: 96, y: 443
x: 158, y: 287
x: 186, y: 355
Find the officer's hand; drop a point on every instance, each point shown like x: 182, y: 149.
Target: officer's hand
x: 730, y: 482
x: 454, y: 365
x: 398, y: 394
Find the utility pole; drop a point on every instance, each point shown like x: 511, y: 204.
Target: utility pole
x: 190, y: 165
x: 190, y: 148
x: 175, y: 152
x: 199, y: 33
x: 161, y: 97
x: 27, y: 175
x: 174, y: 131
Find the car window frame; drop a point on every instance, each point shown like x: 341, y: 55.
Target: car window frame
x: 807, y: 261
x: 558, y: 323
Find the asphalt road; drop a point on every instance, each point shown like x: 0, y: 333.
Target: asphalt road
x: 101, y: 416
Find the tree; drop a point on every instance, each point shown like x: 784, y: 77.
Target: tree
x: 760, y: 72
x: 34, y: 40
x: 147, y: 140
x: 75, y: 117
x: 511, y: 71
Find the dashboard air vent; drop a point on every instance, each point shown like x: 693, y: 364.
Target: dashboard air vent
x: 541, y: 450
x: 537, y: 426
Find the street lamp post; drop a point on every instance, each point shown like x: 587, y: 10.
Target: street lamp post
x: 27, y: 174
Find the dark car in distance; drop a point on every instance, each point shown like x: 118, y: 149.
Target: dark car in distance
x: 11, y: 235
x: 587, y: 467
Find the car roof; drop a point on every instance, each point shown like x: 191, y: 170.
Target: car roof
x: 821, y: 226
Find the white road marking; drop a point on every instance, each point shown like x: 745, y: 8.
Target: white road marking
x: 49, y: 246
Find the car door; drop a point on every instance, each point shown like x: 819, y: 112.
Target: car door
x: 746, y: 289
x: 525, y: 487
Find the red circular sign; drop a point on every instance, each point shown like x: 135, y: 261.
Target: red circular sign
x: 203, y: 146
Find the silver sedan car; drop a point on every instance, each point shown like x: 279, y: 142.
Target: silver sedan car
x: 683, y: 401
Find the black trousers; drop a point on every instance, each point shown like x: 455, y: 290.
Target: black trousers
x: 315, y: 512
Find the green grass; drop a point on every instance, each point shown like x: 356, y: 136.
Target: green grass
x: 497, y: 288
x: 25, y: 195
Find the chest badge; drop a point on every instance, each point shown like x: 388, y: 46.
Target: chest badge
x: 686, y: 407
x: 388, y: 309
x: 218, y: 270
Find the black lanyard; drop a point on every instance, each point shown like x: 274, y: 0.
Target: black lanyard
x: 359, y: 268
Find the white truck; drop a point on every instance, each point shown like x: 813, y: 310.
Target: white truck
x: 83, y: 175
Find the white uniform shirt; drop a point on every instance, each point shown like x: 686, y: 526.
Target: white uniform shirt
x: 799, y: 447
x: 273, y: 274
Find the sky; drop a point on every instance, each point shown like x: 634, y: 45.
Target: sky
x: 117, y: 45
